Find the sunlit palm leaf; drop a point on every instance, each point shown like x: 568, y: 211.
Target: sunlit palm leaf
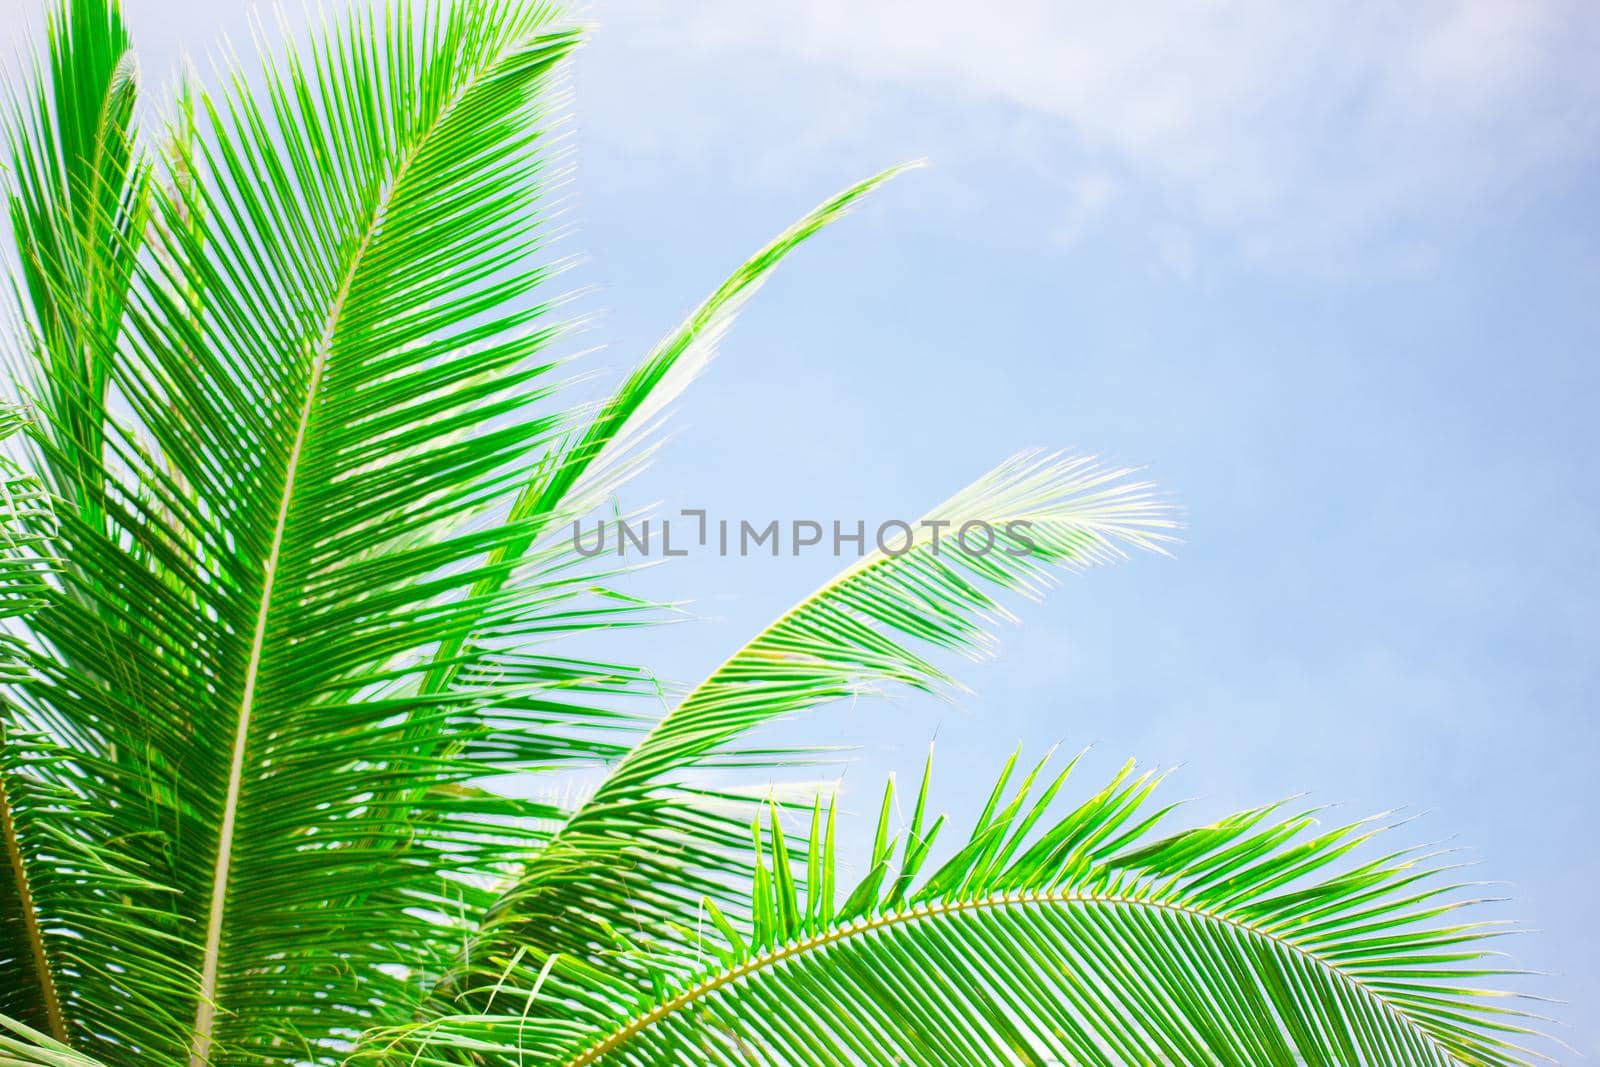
x: 27, y: 987
x: 1076, y: 937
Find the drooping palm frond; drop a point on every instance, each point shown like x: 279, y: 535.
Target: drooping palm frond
x: 636, y: 858
x: 1082, y: 936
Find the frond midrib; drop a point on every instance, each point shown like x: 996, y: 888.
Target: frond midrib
x: 30, y: 920
x: 205, y: 1004
x: 944, y: 909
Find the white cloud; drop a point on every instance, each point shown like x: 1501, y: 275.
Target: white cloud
x: 1305, y: 132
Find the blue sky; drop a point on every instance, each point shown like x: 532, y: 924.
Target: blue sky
x: 1330, y: 274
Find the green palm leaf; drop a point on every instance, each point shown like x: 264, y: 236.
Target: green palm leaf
x: 24, y: 507
x: 342, y: 356
x: 1082, y: 936
x: 78, y: 209
x: 23, y: 1046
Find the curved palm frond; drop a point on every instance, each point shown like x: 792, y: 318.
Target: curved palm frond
x: 623, y: 433
x: 1081, y: 936
x: 637, y: 857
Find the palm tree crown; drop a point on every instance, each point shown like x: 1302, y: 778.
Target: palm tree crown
x: 290, y: 461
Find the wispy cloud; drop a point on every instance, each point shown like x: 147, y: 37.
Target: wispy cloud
x: 1314, y: 134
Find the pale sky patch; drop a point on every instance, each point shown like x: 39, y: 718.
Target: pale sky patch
x: 1306, y: 134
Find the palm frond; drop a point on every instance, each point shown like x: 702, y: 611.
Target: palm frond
x: 1083, y: 936
x: 28, y: 990
x: 23, y: 1046
x: 331, y: 357
x: 78, y: 207
x: 660, y: 846
x: 623, y: 433
x: 27, y: 523
x: 56, y: 882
